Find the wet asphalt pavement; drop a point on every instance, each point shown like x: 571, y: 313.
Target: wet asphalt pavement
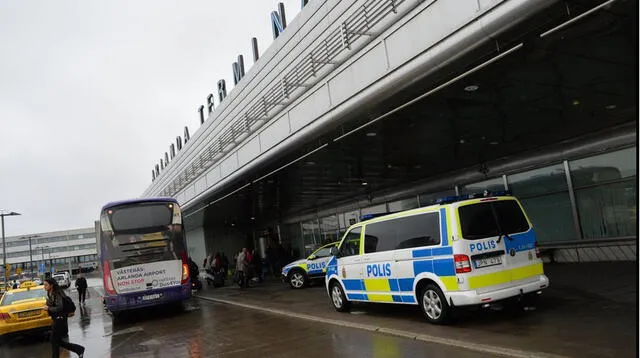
x: 205, y: 329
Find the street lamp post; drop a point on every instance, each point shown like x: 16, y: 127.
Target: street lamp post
x: 42, y: 253
x: 30, y: 251
x: 4, y: 245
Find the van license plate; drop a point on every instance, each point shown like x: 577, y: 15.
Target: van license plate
x: 489, y: 261
x: 151, y: 297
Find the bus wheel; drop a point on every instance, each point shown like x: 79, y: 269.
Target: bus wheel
x: 297, y: 279
x: 434, y: 305
x: 338, y: 298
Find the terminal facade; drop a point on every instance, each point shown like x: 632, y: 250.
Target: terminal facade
x: 377, y: 106
x: 58, y: 250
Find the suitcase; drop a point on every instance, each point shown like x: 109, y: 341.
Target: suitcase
x: 218, y: 279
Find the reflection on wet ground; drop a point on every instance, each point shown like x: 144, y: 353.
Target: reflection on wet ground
x: 203, y: 329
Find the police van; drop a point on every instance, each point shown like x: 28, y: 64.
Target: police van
x: 301, y: 272
x: 467, y: 250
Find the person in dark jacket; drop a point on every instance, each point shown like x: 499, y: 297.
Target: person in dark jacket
x: 60, y: 327
x: 81, y: 286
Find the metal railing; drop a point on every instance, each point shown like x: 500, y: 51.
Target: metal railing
x: 303, y: 74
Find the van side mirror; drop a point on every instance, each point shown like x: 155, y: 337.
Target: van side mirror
x: 333, y: 251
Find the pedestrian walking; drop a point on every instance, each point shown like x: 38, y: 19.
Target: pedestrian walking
x: 241, y: 267
x: 60, y: 327
x: 81, y: 286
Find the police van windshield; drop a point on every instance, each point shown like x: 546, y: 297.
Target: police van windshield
x: 492, y: 218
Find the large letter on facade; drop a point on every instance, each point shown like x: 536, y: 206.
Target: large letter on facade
x: 172, y: 151
x: 201, y: 110
x: 186, y: 134
x: 222, y: 90
x: 254, y: 48
x: 179, y: 143
x: 166, y: 159
x: 157, y: 170
x: 278, y: 21
x: 210, y: 103
x: 238, y: 70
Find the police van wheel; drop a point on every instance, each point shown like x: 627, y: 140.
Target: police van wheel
x: 434, y: 305
x: 297, y: 279
x: 338, y: 298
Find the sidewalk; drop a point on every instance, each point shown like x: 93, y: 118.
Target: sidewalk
x: 590, y: 310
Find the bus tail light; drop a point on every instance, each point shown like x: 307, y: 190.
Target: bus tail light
x: 4, y: 316
x: 462, y: 262
x: 108, y: 283
x: 185, y: 273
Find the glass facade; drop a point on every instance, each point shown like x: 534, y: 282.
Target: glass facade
x: 596, y: 198
x: 544, y: 193
x: 606, y: 188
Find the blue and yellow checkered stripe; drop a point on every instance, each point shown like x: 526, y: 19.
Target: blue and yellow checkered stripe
x: 400, y: 290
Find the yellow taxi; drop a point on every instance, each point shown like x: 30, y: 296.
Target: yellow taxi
x: 24, y: 309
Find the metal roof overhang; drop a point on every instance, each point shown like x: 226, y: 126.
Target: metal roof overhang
x: 573, y: 81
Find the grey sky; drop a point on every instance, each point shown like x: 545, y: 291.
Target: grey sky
x: 92, y: 93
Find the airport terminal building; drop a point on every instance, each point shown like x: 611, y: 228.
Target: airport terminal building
x: 374, y: 106
x: 58, y: 250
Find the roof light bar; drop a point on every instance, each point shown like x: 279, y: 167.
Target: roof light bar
x: 485, y: 194
x: 371, y: 216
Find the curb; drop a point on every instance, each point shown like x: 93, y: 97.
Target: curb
x: 483, y: 348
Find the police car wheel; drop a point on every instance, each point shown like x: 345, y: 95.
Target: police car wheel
x: 434, y: 305
x: 338, y: 298
x: 297, y: 279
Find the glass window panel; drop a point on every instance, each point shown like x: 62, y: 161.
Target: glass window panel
x: 551, y: 217
x: 418, y: 230
x: 311, y: 236
x: 604, y: 167
x: 430, y: 199
x: 495, y: 184
x: 376, y: 209
x: 380, y: 236
x: 538, y: 181
x: 608, y: 210
x: 351, y: 243
x: 405, y: 204
x: 342, y: 222
x: 329, y: 224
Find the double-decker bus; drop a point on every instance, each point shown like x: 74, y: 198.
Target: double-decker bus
x: 142, y: 251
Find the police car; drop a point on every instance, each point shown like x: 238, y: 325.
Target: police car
x: 299, y: 273
x: 468, y: 250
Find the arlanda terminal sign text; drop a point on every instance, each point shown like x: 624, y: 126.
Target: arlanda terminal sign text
x: 278, y: 25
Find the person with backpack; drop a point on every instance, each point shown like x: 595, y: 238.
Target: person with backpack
x: 60, y: 307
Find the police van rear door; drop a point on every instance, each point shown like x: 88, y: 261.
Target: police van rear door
x: 487, y: 227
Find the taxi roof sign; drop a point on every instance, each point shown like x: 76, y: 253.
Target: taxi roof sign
x: 28, y: 284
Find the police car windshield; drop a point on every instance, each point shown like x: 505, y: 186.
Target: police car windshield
x: 11, y: 297
x: 492, y: 218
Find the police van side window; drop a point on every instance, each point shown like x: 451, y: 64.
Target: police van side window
x: 323, y: 252
x: 418, y: 230
x: 380, y: 236
x: 351, y: 243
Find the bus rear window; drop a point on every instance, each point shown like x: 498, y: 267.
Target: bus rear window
x: 492, y: 218
x: 140, y: 216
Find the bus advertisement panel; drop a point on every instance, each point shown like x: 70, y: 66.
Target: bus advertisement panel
x: 143, y: 253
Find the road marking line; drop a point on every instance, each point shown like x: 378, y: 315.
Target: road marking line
x: 484, y: 348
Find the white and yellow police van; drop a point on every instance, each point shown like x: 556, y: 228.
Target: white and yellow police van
x: 302, y: 272
x: 471, y: 250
